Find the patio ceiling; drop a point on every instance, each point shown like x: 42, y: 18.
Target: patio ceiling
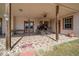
x: 37, y: 10
x: 33, y: 10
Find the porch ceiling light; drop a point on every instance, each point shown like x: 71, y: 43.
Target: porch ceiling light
x: 20, y: 10
x: 45, y: 14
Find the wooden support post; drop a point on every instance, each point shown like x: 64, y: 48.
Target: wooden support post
x: 14, y: 24
x: 8, y: 25
x: 57, y: 11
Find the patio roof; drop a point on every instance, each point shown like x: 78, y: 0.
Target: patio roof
x: 37, y: 10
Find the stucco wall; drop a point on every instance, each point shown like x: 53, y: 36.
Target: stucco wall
x: 76, y: 24
x: 53, y: 27
x: 3, y: 24
x: 65, y: 31
x: 19, y: 25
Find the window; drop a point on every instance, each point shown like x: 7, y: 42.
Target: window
x: 68, y: 22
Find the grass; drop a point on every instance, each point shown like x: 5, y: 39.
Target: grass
x: 67, y: 49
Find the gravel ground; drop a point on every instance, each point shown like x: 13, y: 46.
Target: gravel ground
x: 32, y: 44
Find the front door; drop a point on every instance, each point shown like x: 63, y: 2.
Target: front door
x: 0, y: 26
x: 28, y: 26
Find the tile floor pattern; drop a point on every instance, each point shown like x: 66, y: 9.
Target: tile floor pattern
x: 33, y: 43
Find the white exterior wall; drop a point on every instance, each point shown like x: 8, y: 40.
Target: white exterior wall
x: 53, y: 25
x: 20, y: 22
x: 76, y: 24
x: 65, y: 31
x: 3, y: 26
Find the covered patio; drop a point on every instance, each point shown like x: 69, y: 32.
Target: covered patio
x: 18, y: 39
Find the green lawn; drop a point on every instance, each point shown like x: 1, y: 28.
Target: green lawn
x: 66, y: 49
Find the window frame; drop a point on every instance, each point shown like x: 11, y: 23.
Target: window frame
x: 64, y: 22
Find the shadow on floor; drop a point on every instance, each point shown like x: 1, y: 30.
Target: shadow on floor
x: 51, y: 38
x: 16, y: 42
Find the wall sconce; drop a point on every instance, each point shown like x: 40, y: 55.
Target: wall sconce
x: 6, y: 17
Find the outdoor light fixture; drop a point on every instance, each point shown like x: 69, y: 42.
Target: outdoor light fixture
x: 20, y: 10
x: 6, y: 17
x: 45, y: 14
